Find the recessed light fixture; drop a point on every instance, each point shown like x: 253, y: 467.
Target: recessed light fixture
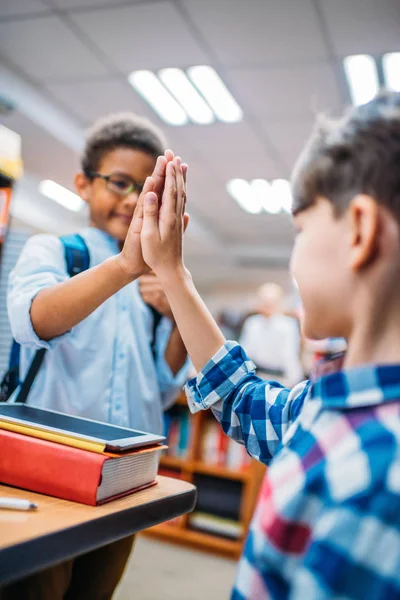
x: 362, y: 78
x: 241, y: 191
x: 159, y: 98
x: 61, y: 195
x: 391, y: 70
x: 177, y: 82
x: 260, y: 195
x: 198, y: 95
x: 207, y: 80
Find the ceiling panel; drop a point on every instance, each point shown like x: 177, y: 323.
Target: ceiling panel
x: 272, y: 32
x: 287, y: 93
x: 289, y: 138
x: 93, y: 99
x: 14, y: 8
x: 363, y: 26
x: 71, y: 4
x: 45, y: 48
x: 142, y: 37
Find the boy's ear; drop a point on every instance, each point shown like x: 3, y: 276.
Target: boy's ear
x: 364, y: 223
x: 82, y: 186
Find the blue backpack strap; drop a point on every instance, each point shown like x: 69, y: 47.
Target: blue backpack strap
x: 77, y: 259
x: 76, y: 252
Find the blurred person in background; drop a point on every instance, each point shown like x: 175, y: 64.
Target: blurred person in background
x: 272, y: 340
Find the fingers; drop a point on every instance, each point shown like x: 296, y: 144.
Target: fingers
x: 169, y: 155
x: 168, y: 205
x: 180, y: 187
x: 150, y: 216
x: 137, y: 220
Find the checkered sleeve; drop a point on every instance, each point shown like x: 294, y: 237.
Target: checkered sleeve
x: 252, y: 411
x: 352, y: 555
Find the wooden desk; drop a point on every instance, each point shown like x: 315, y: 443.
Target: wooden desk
x: 58, y: 530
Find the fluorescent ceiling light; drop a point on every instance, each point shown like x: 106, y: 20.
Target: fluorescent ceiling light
x: 153, y: 91
x: 282, y: 194
x: 259, y: 195
x: 176, y: 81
x: 362, y: 77
x: 391, y: 70
x: 264, y: 193
x: 215, y: 92
x: 61, y: 195
x: 241, y: 191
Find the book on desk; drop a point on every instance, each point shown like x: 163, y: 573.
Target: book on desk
x: 70, y: 462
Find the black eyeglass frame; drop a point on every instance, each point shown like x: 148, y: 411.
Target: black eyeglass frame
x: 138, y: 187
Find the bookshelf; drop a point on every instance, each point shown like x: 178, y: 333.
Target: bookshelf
x: 228, y: 481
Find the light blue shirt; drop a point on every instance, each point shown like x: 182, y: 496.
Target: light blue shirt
x: 103, y: 368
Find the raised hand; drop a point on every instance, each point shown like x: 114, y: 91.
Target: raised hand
x: 130, y: 258
x: 163, y: 225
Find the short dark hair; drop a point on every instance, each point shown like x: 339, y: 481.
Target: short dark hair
x: 122, y: 130
x: 359, y: 153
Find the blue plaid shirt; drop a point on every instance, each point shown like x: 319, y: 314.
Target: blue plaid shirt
x: 327, y: 523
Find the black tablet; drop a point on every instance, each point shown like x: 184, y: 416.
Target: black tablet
x: 114, y: 438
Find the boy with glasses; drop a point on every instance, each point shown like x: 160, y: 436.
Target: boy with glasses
x: 97, y: 328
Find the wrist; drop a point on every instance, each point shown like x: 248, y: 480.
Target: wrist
x: 176, y: 278
x: 124, y: 272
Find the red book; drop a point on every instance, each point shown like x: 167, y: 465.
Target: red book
x: 72, y: 473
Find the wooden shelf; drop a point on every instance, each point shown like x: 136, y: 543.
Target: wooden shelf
x: 173, y: 462
x: 220, y: 471
x: 198, y: 539
x: 186, y: 468
x: 202, y: 468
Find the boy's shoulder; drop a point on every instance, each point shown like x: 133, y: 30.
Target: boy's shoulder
x: 359, y: 454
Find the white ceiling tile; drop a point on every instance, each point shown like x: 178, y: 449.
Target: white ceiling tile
x: 287, y: 93
x: 70, y: 4
x: 45, y: 48
x: 142, y: 37
x: 93, y: 99
x: 363, y: 26
x: 273, y: 32
x: 14, y: 8
x: 289, y: 138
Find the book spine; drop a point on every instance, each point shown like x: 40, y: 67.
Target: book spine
x: 49, y: 468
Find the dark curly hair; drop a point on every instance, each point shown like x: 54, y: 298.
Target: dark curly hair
x: 122, y: 130
x: 359, y: 153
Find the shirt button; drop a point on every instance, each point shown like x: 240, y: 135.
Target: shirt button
x: 121, y: 355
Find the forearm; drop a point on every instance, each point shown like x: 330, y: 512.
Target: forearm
x: 55, y: 310
x: 200, y: 333
x: 175, y: 352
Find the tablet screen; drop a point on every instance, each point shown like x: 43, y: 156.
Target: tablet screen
x: 37, y: 417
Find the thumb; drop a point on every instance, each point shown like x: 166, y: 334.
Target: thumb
x: 150, y: 214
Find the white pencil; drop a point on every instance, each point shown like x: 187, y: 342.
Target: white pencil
x: 17, y: 504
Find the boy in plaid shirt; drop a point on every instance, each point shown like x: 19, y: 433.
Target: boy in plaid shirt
x: 328, y: 520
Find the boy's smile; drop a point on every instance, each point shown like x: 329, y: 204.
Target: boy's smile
x: 111, y: 210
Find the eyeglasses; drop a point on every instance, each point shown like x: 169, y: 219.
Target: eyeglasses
x: 118, y: 184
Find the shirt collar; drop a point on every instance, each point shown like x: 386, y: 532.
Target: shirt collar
x: 361, y: 386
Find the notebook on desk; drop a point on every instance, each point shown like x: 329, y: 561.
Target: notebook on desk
x: 71, y: 430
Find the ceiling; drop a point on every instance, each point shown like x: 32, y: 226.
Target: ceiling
x: 281, y: 59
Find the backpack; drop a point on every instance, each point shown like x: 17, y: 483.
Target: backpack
x: 77, y: 259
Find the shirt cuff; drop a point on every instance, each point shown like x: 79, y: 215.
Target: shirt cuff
x: 219, y: 377
x: 27, y: 336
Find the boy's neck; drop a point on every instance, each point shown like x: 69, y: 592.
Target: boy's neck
x: 375, y: 335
